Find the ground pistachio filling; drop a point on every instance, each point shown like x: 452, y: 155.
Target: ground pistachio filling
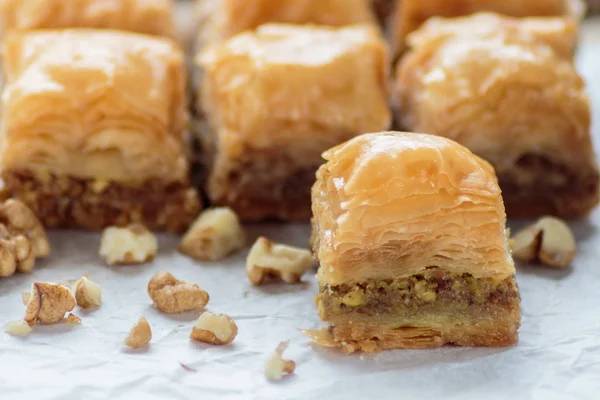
x: 432, y: 291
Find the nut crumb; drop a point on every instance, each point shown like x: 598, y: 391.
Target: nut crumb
x: 188, y: 368
x: 87, y: 293
x: 73, y: 319
x: 133, y: 244
x: 217, y: 329
x: 276, y: 367
x: 48, y: 303
x: 216, y: 234
x: 139, y: 335
x: 173, y: 296
x: 25, y: 296
x: 267, y: 259
x: 549, y: 241
x: 17, y: 328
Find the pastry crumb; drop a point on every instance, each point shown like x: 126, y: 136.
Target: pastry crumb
x: 217, y: 329
x: 139, y: 335
x: 130, y: 245
x: 171, y: 295
x: 276, y: 367
x: 272, y: 260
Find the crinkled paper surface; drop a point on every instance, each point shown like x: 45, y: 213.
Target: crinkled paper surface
x: 557, y: 357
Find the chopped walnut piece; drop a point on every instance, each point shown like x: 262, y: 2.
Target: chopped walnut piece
x: 276, y: 367
x: 216, y: 234
x: 133, y: 244
x: 268, y: 259
x: 73, y: 319
x: 549, y: 241
x: 215, y: 329
x: 140, y: 334
x: 25, y: 296
x: 22, y: 238
x: 87, y: 293
x: 173, y: 296
x: 17, y: 328
x: 48, y: 303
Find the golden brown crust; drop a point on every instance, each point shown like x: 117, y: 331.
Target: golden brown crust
x: 149, y: 17
x: 410, y: 14
x: 68, y: 202
x: 94, y: 105
x: 262, y: 165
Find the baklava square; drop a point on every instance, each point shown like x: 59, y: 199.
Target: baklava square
x: 275, y: 98
x: 93, y: 129
x: 410, y: 14
x: 409, y: 233
x: 143, y: 16
x: 222, y: 19
x: 508, y: 90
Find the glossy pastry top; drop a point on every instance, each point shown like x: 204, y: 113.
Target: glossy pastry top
x: 94, y: 104
x: 390, y: 205
x: 412, y: 13
x: 282, y: 84
x: 502, y: 96
x: 222, y: 19
x: 144, y: 16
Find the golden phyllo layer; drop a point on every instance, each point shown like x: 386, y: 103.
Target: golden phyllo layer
x: 222, y: 19
x: 94, y: 104
x: 275, y: 99
x: 393, y: 204
x: 142, y: 16
x: 508, y: 90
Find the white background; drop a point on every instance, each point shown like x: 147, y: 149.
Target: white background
x: 557, y: 357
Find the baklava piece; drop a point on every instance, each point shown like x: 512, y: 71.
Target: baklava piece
x: 93, y: 129
x: 409, y: 232
x: 512, y: 97
x: 220, y: 20
x: 150, y: 17
x: 410, y: 14
x: 275, y: 98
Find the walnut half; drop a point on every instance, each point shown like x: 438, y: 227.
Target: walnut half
x: 216, y: 234
x: 173, y: 296
x: 48, y: 303
x: 133, y: 244
x: 549, y: 241
x: 22, y: 238
x: 267, y: 259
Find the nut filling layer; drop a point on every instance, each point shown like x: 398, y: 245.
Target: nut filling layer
x: 431, y: 292
x: 68, y: 202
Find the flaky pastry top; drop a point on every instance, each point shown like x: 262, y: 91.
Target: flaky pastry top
x: 502, y: 96
x: 283, y: 84
x: 223, y: 19
x: 153, y: 17
x: 412, y: 13
x: 390, y: 205
x: 94, y: 104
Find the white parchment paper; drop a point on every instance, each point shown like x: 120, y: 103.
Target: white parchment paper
x: 557, y: 357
